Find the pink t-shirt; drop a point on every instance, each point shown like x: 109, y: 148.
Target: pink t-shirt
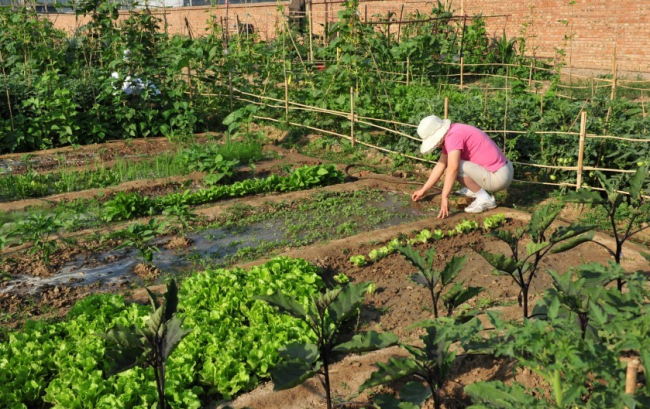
x: 474, y: 146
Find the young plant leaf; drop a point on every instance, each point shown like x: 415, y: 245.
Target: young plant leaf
x: 286, y: 304
x: 367, y: 341
x: 500, y: 262
x: 452, y: 268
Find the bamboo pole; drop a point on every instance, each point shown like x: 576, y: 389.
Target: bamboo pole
x: 530, y: 73
x: 446, y: 108
x: 7, y: 94
x: 505, y: 114
x: 612, y: 93
x: 630, y: 376
x: 462, y: 65
x: 326, y: 24
x: 581, y: 148
x: 286, y: 96
x: 311, y: 31
x: 399, y: 24
x: 352, y: 116
x: 408, y: 66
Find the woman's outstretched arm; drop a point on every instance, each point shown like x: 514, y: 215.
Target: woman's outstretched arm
x: 435, y: 175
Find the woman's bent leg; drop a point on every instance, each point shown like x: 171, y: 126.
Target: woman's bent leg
x: 477, y: 175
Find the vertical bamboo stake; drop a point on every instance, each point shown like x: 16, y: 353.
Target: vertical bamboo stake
x: 462, y: 66
x: 286, y: 92
x: 614, y: 76
x: 408, y: 66
x: 446, y: 108
x: 352, y: 116
x: 612, y: 94
x: 366, y: 14
x: 399, y: 23
x: 325, y: 26
x: 581, y: 148
x: 6, y: 84
x: 630, y: 376
x: 505, y: 112
x: 311, y: 29
x: 462, y: 7
x: 530, y: 74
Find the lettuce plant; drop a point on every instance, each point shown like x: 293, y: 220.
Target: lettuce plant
x: 359, y: 260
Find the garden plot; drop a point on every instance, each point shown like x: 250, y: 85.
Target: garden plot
x: 53, y: 159
x: 398, y: 304
x: 241, y: 229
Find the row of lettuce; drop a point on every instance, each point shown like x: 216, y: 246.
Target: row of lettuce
x: 232, y: 345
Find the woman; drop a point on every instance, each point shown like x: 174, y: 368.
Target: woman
x: 468, y: 155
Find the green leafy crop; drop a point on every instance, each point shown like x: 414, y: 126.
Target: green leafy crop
x: 234, y: 342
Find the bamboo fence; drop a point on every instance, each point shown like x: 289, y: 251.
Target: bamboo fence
x: 579, y: 168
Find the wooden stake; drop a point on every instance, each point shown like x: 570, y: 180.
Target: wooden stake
x: 408, y: 66
x: 462, y: 65
x: 581, y: 148
x: 530, y: 74
x: 352, y: 116
x: 399, y: 24
x: 286, y: 93
x: 446, y: 108
x: 612, y: 94
x: 462, y: 7
x: 505, y: 113
x: 366, y: 14
x: 630, y: 376
x: 310, y: 23
x: 325, y: 26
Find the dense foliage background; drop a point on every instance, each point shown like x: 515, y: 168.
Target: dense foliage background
x: 126, y: 78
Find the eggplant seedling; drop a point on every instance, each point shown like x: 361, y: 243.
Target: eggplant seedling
x: 150, y: 346
x: 326, y: 315
x: 522, y: 266
x: 38, y: 229
x: 637, y: 212
x: 430, y: 363
x: 141, y: 236
x: 437, y: 280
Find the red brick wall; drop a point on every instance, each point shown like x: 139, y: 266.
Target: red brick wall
x: 589, y: 31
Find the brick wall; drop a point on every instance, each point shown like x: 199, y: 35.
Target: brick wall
x: 590, y: 31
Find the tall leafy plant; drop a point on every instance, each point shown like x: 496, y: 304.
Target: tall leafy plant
x: 326, y: 315
x: 435, y: 281
x: 430, y: 363
x: 627, y: 214
x: 152, y: 345
x: 523, y: 263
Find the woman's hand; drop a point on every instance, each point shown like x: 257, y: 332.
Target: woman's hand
x: 418, y: 194
x: 444, y: 208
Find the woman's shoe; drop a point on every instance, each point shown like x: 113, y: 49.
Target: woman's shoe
x: 465, y: 192
x: 481, y: 204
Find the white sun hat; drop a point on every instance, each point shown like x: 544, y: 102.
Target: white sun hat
x: 431, y: 130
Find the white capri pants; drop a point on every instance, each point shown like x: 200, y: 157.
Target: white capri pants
x: 490, y: 181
